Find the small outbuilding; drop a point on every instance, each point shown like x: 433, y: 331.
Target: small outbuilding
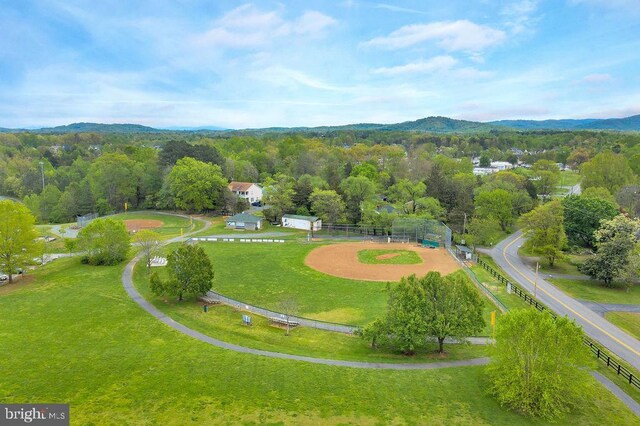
x: 244, y: 221
x: 307, y: 223
x: 464, y: 252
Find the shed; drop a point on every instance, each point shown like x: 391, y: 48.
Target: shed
x: 307, y: 223
x: 244, y: 221
x: 463, y: 252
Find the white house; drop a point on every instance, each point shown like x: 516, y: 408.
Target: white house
x: 247, y: 190
x: 501, y: 165
x: 308, y: 223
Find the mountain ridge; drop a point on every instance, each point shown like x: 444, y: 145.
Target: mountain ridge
x: 434, y: 124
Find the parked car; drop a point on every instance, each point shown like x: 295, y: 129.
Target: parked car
x: 3, y: 277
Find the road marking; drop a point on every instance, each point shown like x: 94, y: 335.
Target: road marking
x: 504, y: 254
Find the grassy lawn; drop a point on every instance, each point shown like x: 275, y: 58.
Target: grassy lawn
x: 390, y: 257
x: 74, y: 336
x: 225, y: 323
x: 171, y: 225
x: 595, y: 291
x: 628, y: 321
x: 218, y: 226
x: 263, y: 275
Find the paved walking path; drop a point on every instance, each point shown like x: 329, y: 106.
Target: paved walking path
x: 603, y: 308
x: 619, y: 393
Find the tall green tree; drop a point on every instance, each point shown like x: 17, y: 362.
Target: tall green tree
x: 615, y: 241
x: 357, y: 190
x: 607, y: 170
x: 196, y: 186
x: 17, y: 237
x: 547, y: 176
x: 278, y: 196
x: 104, y: 241
x: 544, y: 229
x: 407, y: 194
x: 537, y: 364
x: 496, y: 204
x: 328, y: 205
x: 190, y: 273
x: 582, y: 217
x: 114, y: 179
x: 422, y: 308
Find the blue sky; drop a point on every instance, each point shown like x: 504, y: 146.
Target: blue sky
x: 309, y: 63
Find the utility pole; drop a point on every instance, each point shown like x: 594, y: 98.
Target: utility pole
x: 464, y: 228
x: 42, y: 170
x: 535, y: 283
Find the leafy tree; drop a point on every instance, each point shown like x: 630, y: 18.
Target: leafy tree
x: 17, y: 237
x: 104, y: 241
x: 496, y: 204
x: 578, y: 156
x: 356, y: 190
x: 547, y: 176
x: 196, y: 186
x: 454, y: 307
x: 599, y: 193
x: 607, y: 170
x: 629, y: 199
x: 190, y: 273
x: 367, y: 170
x: 485, y: 160
x: 484, y: 232
x: 615, y: 241
x: 278, y: 195
x: 114, y: 179
x: 328, y: 205
x: 430, y: 207
x: 582, y: 216
x: 536, y: 363
x: 407, y: 194
x: 544, y: 229
x: 176, y: 150
x: 432, y: 306
x: 149, y: 243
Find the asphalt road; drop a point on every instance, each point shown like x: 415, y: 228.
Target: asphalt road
x: 505, y: 254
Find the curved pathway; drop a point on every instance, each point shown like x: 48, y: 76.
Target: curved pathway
x: 127, y: 282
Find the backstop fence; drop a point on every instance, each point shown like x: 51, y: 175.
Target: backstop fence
x: 355, y: 232
x: 84, y: 220
x: 428, y: 232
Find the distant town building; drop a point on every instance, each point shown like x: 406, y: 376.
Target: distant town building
x: 247, y: 190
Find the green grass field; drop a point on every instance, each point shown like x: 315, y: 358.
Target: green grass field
x: 171, y: 225
x: 628, y: 321
x: 72, y: 335
x: 263, y: 275
x: 225, y: 323
x: 595, y: 291
x: 400, y: 257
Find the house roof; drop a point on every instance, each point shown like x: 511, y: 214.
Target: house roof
x: 463, y: 249
x: 244, y: 217
x: 300, y: 217
x: 241, y: 186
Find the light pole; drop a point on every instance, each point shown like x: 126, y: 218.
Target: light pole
x: 42, y: 171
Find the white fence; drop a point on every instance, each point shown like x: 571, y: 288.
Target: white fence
x: 233, y: 240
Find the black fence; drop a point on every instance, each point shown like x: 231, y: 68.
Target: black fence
x: 600, y: 353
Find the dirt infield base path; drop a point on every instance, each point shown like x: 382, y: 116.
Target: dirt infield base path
x: 341, y: 260
x: 138, y: 224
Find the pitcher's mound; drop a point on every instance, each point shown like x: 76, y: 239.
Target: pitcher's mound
x: 341, y: 260
x: 137, y: 224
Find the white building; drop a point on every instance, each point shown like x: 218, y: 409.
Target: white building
x: 308, y: 223
x: 501, y: 165
x: 247, y: 190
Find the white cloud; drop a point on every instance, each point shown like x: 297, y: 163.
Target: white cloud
x: 597, y: 78
x: 246, y: 27
x: 450, y: 35
x: 284, y: 77
x: 519, y: 15
x: 393, y: 8
x: 437, y: 63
